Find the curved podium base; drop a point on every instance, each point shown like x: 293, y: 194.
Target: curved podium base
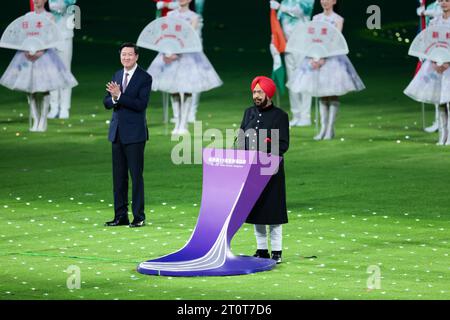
x: 233, y: 266
x: 233, y: 180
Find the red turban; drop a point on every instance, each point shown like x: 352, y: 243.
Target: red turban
x: 266, y: 84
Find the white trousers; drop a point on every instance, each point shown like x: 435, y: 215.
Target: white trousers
x: 300, y: 103
x: 194, y: 107
x: 275, y: 233
x: 60, y: 100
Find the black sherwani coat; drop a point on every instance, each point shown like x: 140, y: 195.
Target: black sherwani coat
x: 271, y: 205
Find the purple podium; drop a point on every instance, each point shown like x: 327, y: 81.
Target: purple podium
x: 233, y: 180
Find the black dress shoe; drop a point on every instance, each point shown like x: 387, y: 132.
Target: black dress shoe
x: 276, y: 255
x: 137, y: 224
x: 262, y: 254
x: 117, y: 222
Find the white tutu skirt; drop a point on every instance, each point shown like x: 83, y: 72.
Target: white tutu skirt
x: 190, y: 73
x: 428, y: 86
x: 47, y: 73
x: 336, y: 77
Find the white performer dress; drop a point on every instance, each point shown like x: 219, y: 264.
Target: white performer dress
x: 336, y: 77
x: 428, y: 86
x: 43, y: 75
x: 190, y: 73
x: 60, y: 100
x: 292, y: 13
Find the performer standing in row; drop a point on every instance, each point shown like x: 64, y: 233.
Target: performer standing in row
x: 429, y: 12
x: 60, y: 100
x: 37, y: 74
x: 431, y: 84
x: 336, y: 77
x: 198, y: 5
x: 164, y: 7
x: 184, y: 74
x: 291, y: 13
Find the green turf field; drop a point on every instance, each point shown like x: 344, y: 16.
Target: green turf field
x: 377, y: 195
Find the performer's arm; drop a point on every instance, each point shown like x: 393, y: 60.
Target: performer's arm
x: 340, y: 25
x: 194, y: 23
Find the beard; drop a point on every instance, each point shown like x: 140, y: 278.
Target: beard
x: 261, y: 103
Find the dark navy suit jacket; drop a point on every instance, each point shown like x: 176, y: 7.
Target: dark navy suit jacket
x: 129, y: 116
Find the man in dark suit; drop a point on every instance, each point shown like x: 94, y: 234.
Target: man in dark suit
x: 128, y: 96
x: 265, y: 128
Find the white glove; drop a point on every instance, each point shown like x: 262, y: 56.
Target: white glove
x: 160, y: 5
x: 420, y: 11
x: 273, y: 50
x: 59, y: 7
x: 432, y: 13
x: 274, y: 5
x: 173, y: 5
x: 295, y: 12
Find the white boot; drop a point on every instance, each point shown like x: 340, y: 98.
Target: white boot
x: 304, y: 122
x: 295, y: 120
x: 54, y: 104
x: 53, y: 114
x: 184, y: 115
x: 295, y: 102
x: 64, y: 114
x: 66, y: 97
x: 301, y: 109
x: 34, y: 114
x: 176, y: 112
x: 304, y: 117
x: 447, y: 143
x: 324, y: 111
x: 305, y: 114
x: 443, y: 130
x: 435, y: 126
x: 193, y: 112
x: 175, y: 109
x: 45, y: 106
x: 334, y: 107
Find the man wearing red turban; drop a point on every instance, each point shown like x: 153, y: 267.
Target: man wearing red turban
x: 266, y: 128
x: 266, y: 84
